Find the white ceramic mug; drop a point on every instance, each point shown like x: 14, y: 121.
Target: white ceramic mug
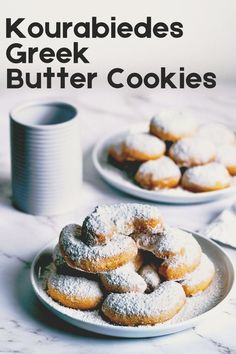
x: 45, y: 157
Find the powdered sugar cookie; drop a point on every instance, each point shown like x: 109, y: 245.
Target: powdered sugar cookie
x: 63, y: 268
x: 126, y: 219
x: 142, y: 147
x: 192, y: 151
x: 161, y: 173
x: 75, y: 292
x: 217, y: 133
x: 200, y: 278
x: 172, y: 125
x: 176, y: 267
x: 226, y: 155
x: 145, y: 309
x: 174, y: 242
x: 210, y: 177
x: 123, y: 280
x: 78, y: 255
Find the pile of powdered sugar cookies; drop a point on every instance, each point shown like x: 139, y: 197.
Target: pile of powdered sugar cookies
x: 177, y: 152
x: 127, y: 263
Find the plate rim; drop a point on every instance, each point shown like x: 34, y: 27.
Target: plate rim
x: 136, y: 190
x: 133, y: 332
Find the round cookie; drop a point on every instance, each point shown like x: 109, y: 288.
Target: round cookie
x: 200, y: 278
x: 127, y: 219
x: 123, y: 280
x: 192, y: 151
x: 172, y: 126
x: 145, y: 309
x: 142, y: 147
x: 75, y: 292
x: 151, y: 277
x: 118, y: 251
x: 161, y: 173
x: 207, y: 178
x: 217, y: 133
x: 226, y: 155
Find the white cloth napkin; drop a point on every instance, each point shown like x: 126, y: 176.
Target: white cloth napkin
x: 223, y: 228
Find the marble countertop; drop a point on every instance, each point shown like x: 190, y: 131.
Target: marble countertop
x: 25, y: 325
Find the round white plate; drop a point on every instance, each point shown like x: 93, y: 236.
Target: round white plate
x: 84, y: 319
x: 119, y: 179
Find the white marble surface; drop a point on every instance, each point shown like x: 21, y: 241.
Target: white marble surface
x: 25, y: 325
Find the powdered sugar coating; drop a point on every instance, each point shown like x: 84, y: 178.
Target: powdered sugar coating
x: 78, y: 251
x: 208, y: 175
x: 149, y: 273
x: 204, y: 271
x: 178, y: 124
x: 145, y: 144
x: 160, y: 169
x: 174, y: 242
x: 192, y: 151
x: 163, y: 299
x: 57, y: 257
x: 190, y: 257
x: 169, y: 243
x: 73, y: 286
x: 217, y: 133
x: 107, y: 220
x: 63, y: 268
x: 124, y: 279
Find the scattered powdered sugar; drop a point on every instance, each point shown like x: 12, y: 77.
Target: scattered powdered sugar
x: 124, y: 277
x: 78, y: 251
x: 192, y: 150
x: 73, y: 286
x: 204, y: 271
x: 144, y: 143
x: 226, y: 154
x: 175, y: 123
x: 120, y: 218
x: 166, y: 297
x: 193, y: 307
x: 217, y: 133
x: 207, y: 175
x: 160, y: 169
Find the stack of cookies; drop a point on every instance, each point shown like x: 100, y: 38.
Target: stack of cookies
x: 127, y: 262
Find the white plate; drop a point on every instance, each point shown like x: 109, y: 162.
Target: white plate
x: 121, y: 181
x: 84, y: 319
